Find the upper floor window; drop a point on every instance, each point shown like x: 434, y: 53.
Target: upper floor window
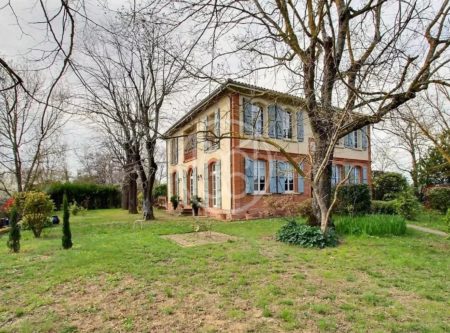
x: 253, y: 119
x: 174, y: 151
x: 357, y: 139
x: 190, y: 145
x: 280, y: 123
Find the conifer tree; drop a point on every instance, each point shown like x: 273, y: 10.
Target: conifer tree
x: 14, y: 231
x: 67, y: 235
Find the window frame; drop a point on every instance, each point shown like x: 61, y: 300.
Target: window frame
x: 257, y: 176
x: 289, y: 175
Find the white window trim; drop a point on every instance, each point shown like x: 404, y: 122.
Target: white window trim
x: 256, y: 162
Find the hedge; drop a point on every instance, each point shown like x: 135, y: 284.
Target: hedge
x: 88, y: 195
x: 384, y: 207
x: 439, y: 198
x: 353, y: 199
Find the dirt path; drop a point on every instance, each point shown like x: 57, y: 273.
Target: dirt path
x: 428, y: 230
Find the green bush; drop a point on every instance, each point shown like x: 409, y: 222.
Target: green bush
x: 407, y: 205
x: 388, y: 185
x: 160, y: 190
x: 353, y: 199
x: 37, y: 210
x: 305, y: 235
x: 384, y: 207
x: 447, y: 219
x: 375, y: 225
x: 439, y: 198
x: 88, y: 195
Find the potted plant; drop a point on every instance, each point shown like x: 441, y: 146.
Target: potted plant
x: 174, y: 200
x: 196, y: 203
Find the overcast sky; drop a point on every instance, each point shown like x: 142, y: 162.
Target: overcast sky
x: 22, y: 36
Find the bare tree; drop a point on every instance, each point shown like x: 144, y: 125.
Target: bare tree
x: 354, y: 63
x: 431, y: 115
x: 136, y: 67
x: 27, y: 125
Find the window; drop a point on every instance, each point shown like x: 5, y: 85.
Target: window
x: 300, y: 127
x: 190, y: 184
x: 253, y: 119
x: 336, y: 174
x: 356, y: 139
x: 190, y: 145
x: 174, y: 184
x: 259, y: 176
x: 278, y: 176
x: 280, y: 123
x: 174, y: 151
x: 289, y: 178
x: 214, y: 184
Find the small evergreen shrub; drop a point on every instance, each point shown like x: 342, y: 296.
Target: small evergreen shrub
x: 353, y: 199
x: 439, y: 198
x: 14, y: 231
x: 374, y: 225
x: 407, y: 205
x: 384, y: 207
x: 305, y: 235
x: 67, y: 235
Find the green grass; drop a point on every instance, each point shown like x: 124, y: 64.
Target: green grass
x: 117, y: 278
x: 374, y: 225
x: 431, y: 219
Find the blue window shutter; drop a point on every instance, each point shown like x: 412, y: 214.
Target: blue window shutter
x: 364, y: 175
x: 217, y: 127
x: 346, y: 141
x: 249, y: 177
x: 218, y: 185
x: 205, y: 182
x: 351, y: 138
x: 272, y: 120
x: 301, y: 180
x: 300, y: 127
x: 184, y: 188
x: 205, y: 135
x: 194, y: 182
x: 273, y: 176
x: 281, y: 175
x: 364, y: 138
x: 346, y: 171
x: 248, y: 121
x: 333, y: 175
x: 280, y: 114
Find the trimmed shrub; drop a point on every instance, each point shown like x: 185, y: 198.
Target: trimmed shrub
x: 388, y: 185
x: 305, y: 235
x: 306, y: 211
x: 407, y: 205
x: 384, y: 207
x: 439, y: 198
x: 353, y: 199
x: 374, y: 225
x: 88, y: 195
x: 14, y: 231
x: 37, y: 210
x: 67, y: 235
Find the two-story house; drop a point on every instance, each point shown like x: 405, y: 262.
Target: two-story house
x: 233, y: 176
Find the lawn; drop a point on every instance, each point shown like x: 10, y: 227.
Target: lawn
x: 431, y: 219
x: 117, y: 278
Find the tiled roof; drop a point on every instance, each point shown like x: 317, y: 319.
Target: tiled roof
x: 229, y: 85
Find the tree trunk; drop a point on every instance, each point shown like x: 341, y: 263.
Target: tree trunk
x: 322, y: 186
x: 148, y: 189
x: 125, y: 193
x: 132, y: 193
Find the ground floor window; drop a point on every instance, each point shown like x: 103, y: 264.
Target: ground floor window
x: 174, y: 184
x: 213, y: 177
x: 259, y: 176
x: 289, y: 178
x: 190, y: 184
